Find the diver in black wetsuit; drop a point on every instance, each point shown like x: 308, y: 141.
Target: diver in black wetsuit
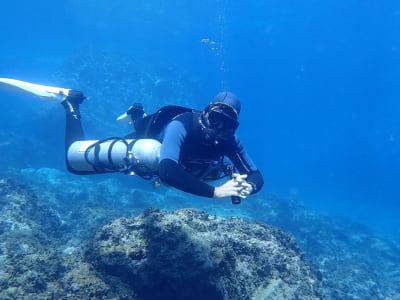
x: 194, y: 145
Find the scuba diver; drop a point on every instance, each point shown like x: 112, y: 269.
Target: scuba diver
x: 177, y: 146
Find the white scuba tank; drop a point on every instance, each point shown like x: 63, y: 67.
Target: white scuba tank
x: 115, y: 155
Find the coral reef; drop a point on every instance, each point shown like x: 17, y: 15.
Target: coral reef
x: 188, y: 254
x: 354, y: 263
x: 36, y: 262
x: 29, y: 262
x: 46, y: 252
x: 56, y: 229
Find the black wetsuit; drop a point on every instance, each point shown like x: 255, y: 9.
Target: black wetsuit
x: 186, y: 160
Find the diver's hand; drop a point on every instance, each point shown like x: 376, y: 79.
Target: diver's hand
x: 246, y: 188
x: 228, y: 189
x: 237, y: 186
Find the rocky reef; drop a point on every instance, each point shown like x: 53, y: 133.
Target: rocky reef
x: 28, y: 257
x: 183, y: 254
x: 39, y: 259
x: 189, y: 254
x: 354, y: 262
x: 69, y: 237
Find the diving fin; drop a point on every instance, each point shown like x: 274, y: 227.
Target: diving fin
x: 134, y: 113
x: 124, y: 118
x: 45, y: 91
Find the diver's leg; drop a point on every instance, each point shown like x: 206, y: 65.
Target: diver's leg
x: 73, y: 127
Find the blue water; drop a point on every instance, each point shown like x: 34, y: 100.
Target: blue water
x: 318, y: 81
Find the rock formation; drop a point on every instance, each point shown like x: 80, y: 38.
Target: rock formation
x: 188, y: 254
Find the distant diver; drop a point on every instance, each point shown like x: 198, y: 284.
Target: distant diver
x: 178, y: 146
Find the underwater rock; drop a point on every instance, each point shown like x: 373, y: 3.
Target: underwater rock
x: 29, y: 263
x: 188, y: 254
x: 353, y: 262
x: 47, y: 249
x: 37, y: 261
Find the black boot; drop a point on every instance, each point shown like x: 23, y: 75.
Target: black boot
x: 72, y: 102
x: 136, y: 112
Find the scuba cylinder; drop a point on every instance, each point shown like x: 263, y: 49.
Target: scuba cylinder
x: 131, y: 156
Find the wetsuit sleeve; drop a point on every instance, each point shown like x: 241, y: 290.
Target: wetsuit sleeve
x: 245, y: 165
x: 170, y: 171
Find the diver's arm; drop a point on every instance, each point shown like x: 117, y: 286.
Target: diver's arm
x: 245, y: 165
x: 255, y: 179
x: 172, y: 174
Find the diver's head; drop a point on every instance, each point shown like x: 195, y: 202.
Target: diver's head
x: 230, y: 99
x: 220, y: 118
